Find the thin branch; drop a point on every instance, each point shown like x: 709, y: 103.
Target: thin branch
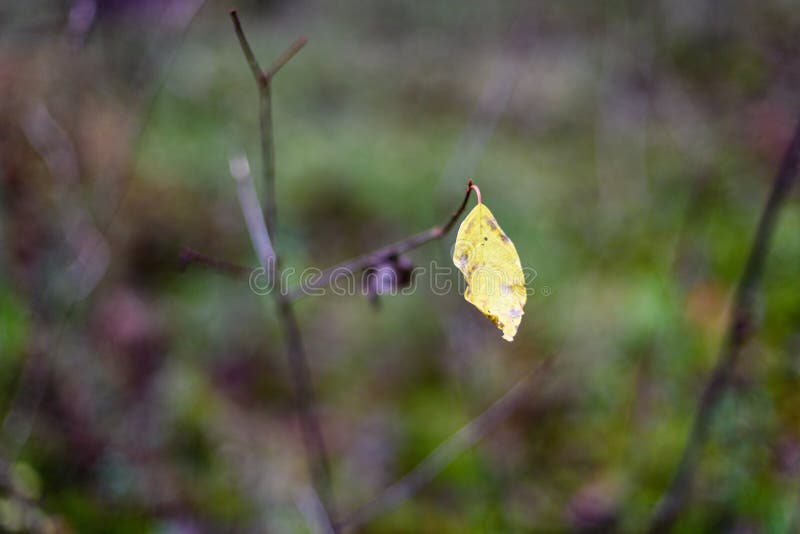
x: 446, y: 452
x: 740, y: 328
x: 265, y: 124
x: 255, y: 68
x: 313, y: 440
x: 267, y: 155
x: 319, y: 465
x: 263, y: 81
x: 316, y: 452
x: 248, y: 200
x: 190, y: 256
x: 375, y: 257
x: 284, y: 58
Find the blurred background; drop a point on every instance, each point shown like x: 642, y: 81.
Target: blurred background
x: 626, y: 148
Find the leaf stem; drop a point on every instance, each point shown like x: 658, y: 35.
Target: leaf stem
x: 477, y: 191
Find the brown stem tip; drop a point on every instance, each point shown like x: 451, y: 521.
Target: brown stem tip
x: 477, y: 191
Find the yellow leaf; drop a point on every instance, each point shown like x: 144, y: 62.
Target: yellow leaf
x: 491, y: 266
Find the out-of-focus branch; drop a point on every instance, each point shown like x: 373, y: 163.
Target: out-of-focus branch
x: 284, y: 58
x: 248, y: 200
x: 740, y: 327
x: 190, y: 256
x: 255, y: 68
x: 89, y: 253
x: 375, y: 257
x: 446, y: 452
x: 319, y: 465
x: 260, y: 229
x: 370, y: 259
x: 263, y: 80
x: 313, y: 511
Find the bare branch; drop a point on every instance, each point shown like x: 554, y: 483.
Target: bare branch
x: 260, y: 230
x: 313, y: 440
x: 375, y: 257
x: 190, y: 256
x: 267, y: 155
x: 740, y: 328
x: 446, y: 452
x: 255, y: 68
x: 248, y: 200
x: 319, y: 466
x: 263, y: 81
x: 266, y: 128
x: 284, y: 58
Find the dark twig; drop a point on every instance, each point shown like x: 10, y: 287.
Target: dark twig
x: 740, y: 327
x: 260, y: 233
x: 313, y: 440
x: 447, y: 451
x: 255, y: 68
x: 192, y: 257
x: 264, y: 121
x: 375, y: 257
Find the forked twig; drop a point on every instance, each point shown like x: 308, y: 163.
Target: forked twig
x: 740, y: 327
x: 260, y: 228
x: 263, y: 80
x: 284, y: 58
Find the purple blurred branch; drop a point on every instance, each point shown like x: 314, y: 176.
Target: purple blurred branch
x: 740, y: 327
x: 89, y: 258
x: 248, y: 200
x: 310, y: 505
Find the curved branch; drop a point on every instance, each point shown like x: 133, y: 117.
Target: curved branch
x: 375, y: 257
